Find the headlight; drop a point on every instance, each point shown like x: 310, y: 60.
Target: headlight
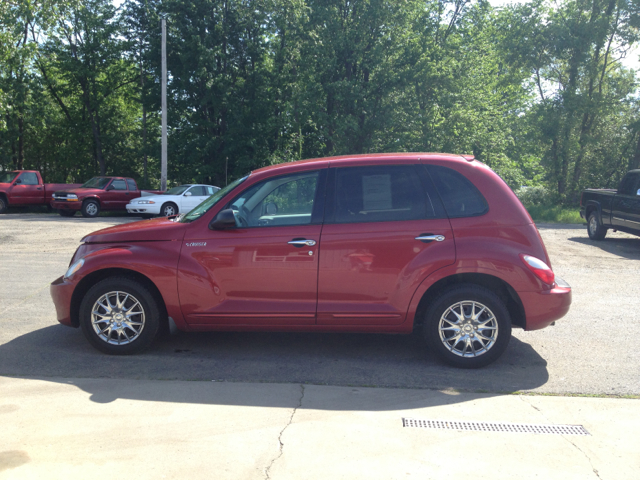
x: 74, y: 268
x: 72, y: 195
x: 145, y: 202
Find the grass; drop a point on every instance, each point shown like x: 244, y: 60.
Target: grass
x: 554, y: 214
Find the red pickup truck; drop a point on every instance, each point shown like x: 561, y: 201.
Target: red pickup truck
x: 25, y: 187
x: 99, y: 193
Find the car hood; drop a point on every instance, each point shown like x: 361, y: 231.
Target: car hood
x: 159, y: 229
x: 82, y: 191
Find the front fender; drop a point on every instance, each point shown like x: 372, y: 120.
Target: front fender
x: 157, y: 261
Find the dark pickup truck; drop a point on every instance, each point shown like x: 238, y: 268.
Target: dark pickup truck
x: 21, y: 188
x: 99, y: 193
x: 616, y: 209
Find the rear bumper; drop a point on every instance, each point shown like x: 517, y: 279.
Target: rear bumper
x: 61, y: 293
x: 58, y: 205
x: 544, y: 308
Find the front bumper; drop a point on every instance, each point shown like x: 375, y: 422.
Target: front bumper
x: 66, y: 205
x: 544, y: 308
x: 61, y: 293
x: 147, y: 209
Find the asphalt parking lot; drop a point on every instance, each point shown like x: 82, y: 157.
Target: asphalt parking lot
x: 591, y: 352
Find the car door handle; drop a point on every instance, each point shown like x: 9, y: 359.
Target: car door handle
x: 429, y: 237
x: 301, y: 242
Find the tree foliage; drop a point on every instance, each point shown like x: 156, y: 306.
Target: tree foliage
x: 536, y: 90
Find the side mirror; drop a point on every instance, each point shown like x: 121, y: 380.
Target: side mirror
x: 224, y: 219
x: 18, y: 182
x: 188, y: 194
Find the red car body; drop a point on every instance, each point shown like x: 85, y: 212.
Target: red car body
x: 26, y: 188
x: 358, y: 277
x: 114, y: 195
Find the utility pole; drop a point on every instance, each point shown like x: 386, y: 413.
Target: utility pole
x: 163, y: 156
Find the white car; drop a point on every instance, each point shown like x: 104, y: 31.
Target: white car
x: 176, y: 200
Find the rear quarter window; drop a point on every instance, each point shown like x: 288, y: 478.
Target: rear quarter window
x: 460, y: 197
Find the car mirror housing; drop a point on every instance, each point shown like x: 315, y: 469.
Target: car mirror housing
x: 187, y: 194
x: 224, y: 219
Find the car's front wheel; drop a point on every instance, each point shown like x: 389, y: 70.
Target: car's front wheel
x: 468, y: 326
x: 119, y: 316
x: 168, y: 209
x: 90, y: 208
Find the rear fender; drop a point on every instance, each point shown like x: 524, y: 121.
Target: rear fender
x: 455, y: 274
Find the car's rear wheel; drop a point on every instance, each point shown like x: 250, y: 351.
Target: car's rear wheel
x: 168, y: 209
x: 468, y: 326
x: 594, y: 228
x: 90, y: 208
x: 119, y: 316
x: 66, y: 213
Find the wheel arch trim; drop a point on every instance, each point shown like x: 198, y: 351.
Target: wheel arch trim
x: 432, y: 285
x: 100, y: 274
x: 590, y: 206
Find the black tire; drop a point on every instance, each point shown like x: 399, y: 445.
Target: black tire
x: 487, y: 337
x: 169, y: 209
x: 134, y: 297
x: 90, y: 208
x: 66, y: 213
x: 595, y: 229
x: 3, y: 204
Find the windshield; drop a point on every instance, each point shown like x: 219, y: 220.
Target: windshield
x: 8, y: 177
x: 205, y: 206
x: 176, y: 190
x: 97, y: 182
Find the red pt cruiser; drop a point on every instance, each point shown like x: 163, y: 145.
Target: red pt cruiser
x: 387, y: 243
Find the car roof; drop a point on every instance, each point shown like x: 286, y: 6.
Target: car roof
x: 367, y: 157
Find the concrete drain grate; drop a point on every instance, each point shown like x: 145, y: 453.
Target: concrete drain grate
x: 496, y: 427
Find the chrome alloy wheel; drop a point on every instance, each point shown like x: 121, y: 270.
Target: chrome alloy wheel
x: 468, y: 329
x: 169, y: 210
x: 593, y: 225
x: 91, y: 209
x: 117, y: 318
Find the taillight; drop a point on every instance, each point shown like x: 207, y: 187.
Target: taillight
x: 539, y: 268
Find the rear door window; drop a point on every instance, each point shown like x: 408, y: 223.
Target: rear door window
x: 460, y: 197
x: 380, y: 194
